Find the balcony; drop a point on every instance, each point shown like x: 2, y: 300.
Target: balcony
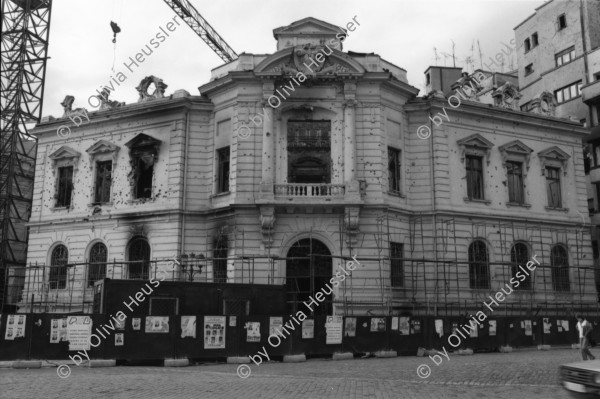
x: 305, y: 190
x: 591, y: 92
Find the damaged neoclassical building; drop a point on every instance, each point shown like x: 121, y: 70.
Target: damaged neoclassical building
x: 240, y: 188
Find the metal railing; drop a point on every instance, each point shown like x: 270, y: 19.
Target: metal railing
x: 309, y: 190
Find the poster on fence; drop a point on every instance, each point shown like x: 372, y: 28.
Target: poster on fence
x: 136, y: 323
x: 565, y: 325
x: 308, y: 329
x: 58, y: 330
x: 439, y: 327
x: 405, y: 325
x: 377, y: 324
x: 15, y: 327
x: 214, y: 332
x: 333, y: 329
x: 547, y: 325
x: 79, y: 331
x: 394, y: 323
x: 492, y: 328
x: 119, y: 339
x: 275, y: 324
x: 253, y: 331
x: 157, y: 324
x: 350, y: 327
x: 474, y: 329
x: 415, y: 326
x: 188, y: 326
x: 528, y: 331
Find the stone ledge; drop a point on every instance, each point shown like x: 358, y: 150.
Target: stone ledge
x: 343, y: 356
x: 238, y: 360
x: 27, y: 364
x: 103, y: 363
x: 294, y: 358
x: 176, y: 362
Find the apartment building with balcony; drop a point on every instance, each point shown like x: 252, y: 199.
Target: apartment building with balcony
x: 290, y: 164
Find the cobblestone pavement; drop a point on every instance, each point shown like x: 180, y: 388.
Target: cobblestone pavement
x: 519, y: 375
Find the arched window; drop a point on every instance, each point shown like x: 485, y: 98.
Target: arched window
x: 97, y: 264
x: 560, y: 268
x: 519, y: 256
x: 479, y: 269
x: 139, y: 258
x: 58, y: 269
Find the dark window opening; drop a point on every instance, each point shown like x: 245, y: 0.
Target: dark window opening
x: 479, y: 269
x: 309, y: 151
x: 139, y: 259
x: 143, y: 173
x: 515, y: 182
x: 534, y: 40
x: 474, y: 177
x: 529, y: 69
x: 97, y: 264
x: 220, y: 254
x: 527, y: 45
x: 519, y: 256
x: 65, y: 186
x: 58, y: 269
x: 560, y: 269
x: 553, y: 187
x: 396, y: 264
x: 394, y: 169
x: 223, y: 170
x: 103, y: 182
x: 562, y: 22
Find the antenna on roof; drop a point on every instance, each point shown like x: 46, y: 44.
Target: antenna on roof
x: 480, y: 55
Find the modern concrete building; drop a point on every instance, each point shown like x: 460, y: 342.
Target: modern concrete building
x: 289, y: 164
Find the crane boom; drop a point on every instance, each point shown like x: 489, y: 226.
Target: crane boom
x: 192, y: 17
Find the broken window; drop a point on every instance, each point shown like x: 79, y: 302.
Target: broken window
x: 394, y: 169
x: 143, y: 173
x: 515, y: 182
x: 139, y: 259
x: 223, y: 170
x: 561, y: 22
x: 553, y: 187
x: 309, y: 156
x: 474, y: 177
x: 396, y: 264
x: 57, y: 278
x: 65, y: 187
x: 519, y: 256
x: 529, y: 69
x: 103, y: 182
x: 97, y: 264
x: 479, y: 269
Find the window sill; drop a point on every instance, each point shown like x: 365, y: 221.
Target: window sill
x: 220, y: 194
x: 480, y: 201
x: 511, y: 204
x: 396, y: 194
x: 61, y: 208
x: 549, y: 208
x: 93, y: 204
x: 141, y: 200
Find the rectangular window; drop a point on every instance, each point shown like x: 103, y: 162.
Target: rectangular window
x: 515, y: 182
x: 565, y: 56
x: 396, y: 264
x: 394, y: 169
x: 529, y: 69
x: 58, y: 277
x: 568, y: 92
x: 65, y: 186
x: 223, y: 170
x: 103, y: 182
x: 474, y: 177
x: 553, y: 187
x: 534, y: 40
x: 220, y: 253
x: 561, y: 22
x: 143, y: 173
x: 527, y: 45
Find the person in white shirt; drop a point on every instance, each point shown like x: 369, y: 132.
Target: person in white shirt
x: 584, y: 328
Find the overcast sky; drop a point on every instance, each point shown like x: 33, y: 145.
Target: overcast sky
x: 403, y: 32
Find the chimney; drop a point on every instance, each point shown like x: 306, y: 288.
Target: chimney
x: 441, y: 78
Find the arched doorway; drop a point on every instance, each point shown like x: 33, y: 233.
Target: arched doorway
x: 308, y: 270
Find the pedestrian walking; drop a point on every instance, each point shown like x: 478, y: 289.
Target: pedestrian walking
x: 584, y: 328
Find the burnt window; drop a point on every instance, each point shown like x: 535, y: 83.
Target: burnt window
x: 103, y: 182
x: 220, y: 259
x: 553, y: 187
x: 479, y: 269
x: 223, y: 170
x: 58, y: 269
x: 143, y: 173
x: 515, y: 182
x: 560, y: 268
x: 97, y: 263
x: 396, y: 264
x: 474, y: 177
x: 394, y: 169
x: 139, y: 259
x: 65, y: 186
x: 519, y: 256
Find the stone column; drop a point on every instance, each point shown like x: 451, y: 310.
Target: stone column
x: 268, y: 144
x: 349, y: 132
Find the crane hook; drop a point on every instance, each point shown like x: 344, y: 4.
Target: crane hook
x: 115, y: 28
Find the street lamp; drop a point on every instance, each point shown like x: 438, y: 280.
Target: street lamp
x: 192, y: 264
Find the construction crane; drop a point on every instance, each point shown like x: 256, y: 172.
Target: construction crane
x: 24, y: 49
x: 192, y: 17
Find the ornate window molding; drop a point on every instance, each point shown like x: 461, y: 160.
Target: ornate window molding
x: 102, y: 151
x: 143, y: 155
x: 516, y: 151
x: 65, y: 156
x: 554, y: 157
x: 475, y: 145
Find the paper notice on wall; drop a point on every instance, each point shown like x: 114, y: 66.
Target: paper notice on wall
x: 350, y: 327
x: 214, y: 332
x: 275, y: 325
x: 474, y: 330
x: 394, y: 324
x: 492, y: 328
x: 15, y: 327
x: 439, y: 327
x: 559, y: 325
x: 308, y: 329
x: 405, y: 325
x: 547, y: 325
x: 377, y: 324
x: 136, y: 323
x: 333, y: 329
x: 79, y: 331
x: 55, y: 330
x: 232, y: 321
x: 565, y: 325
x: 120, y: 324
x: 253, y: 331
x: 188, y: 326
x: 528, y: 331
x: 157, y: 324
x: 415, y: 326
x: 119, y: 339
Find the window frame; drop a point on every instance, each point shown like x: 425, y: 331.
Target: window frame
x: 102, y: 151
x: 510, y: 167
x: 64, y: 157
x: 223, y: 158
x: 559, y: 58
x: 57, y: 276
x: 96, y: 264
x: 561, y: 22
x: 560, y: 272
x: 469, y: 171
x: 476, y: 277
x: 564, y: 94
x: 557, y: 182
x: 64, y: 195
x: 395, y: 176
x: 144, y: 264
x: 397, y: 278
x: 518, y: 259
x: 527, y: 45
x: 529, y: 69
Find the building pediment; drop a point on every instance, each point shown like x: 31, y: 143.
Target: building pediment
x: 306, y: 26
x: 515, y: 147
x: 305, y: 59
x: 554, y: 157
x: 475, y: 144
x: 65, y: 152
x: 101, y: 147
x: 143, y: 141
